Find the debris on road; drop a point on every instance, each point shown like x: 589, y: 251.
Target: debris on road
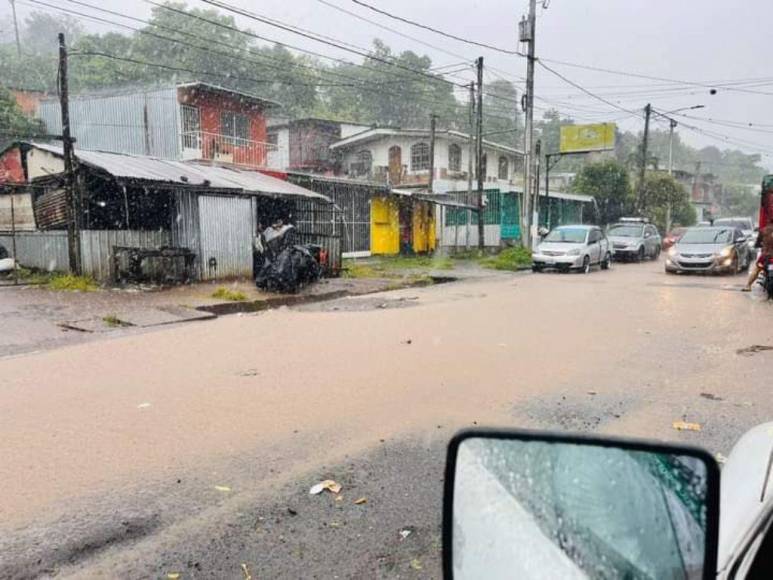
x: 711, y: 397
x: 223, y: 488
x: 246, y: 571
x: 405, y: 532
x: 292, y: 512
x: 409, y: 341
x: 328, y: 484
x: 721, y: 459
x: 249, y: 373
x: 592, y: 393
x: 143, y: 405
x: 173, y: 575
x: 685, y: 426
x: 361, y: 501
x: 416, y: 564
x: 754, y: 349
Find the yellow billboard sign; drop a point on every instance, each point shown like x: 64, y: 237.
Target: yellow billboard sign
x: 579, y: 138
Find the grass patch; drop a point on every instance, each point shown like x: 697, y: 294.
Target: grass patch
x: 224, y: 293
x: 511, y: 259
x: 113, y: 321
x: 72, y: 283
x: 402, y: 267
x: 29, y: 276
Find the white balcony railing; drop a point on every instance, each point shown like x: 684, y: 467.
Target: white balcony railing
x: 200, y: 145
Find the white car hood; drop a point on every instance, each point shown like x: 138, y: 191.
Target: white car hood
x: 558, y: 247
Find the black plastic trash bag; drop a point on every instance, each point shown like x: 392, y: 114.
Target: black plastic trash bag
x: 293, y: 268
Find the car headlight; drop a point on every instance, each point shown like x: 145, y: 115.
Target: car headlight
x: 725, y: 253
x: 575, y: 252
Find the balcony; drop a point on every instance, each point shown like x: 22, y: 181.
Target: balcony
x: 202, y: 146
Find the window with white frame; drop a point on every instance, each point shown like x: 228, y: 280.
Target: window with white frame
x: 454, y: 157
x: 419, y: 157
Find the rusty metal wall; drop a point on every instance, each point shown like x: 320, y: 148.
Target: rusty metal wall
x: 40, y: 250
x: 97, y: 248
x: 116, y: 122
x: 226, y: 226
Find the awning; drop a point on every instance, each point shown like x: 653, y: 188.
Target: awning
x: 152, y: 170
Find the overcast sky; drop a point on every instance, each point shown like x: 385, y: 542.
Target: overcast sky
x: 686, y: 40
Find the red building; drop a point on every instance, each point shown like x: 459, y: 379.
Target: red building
x: 192, y: 121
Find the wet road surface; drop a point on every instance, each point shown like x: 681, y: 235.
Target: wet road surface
x: 190, y: 450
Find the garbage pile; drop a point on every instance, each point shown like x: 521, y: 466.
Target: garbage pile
x: 282, y: 265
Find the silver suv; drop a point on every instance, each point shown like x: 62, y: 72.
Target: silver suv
x: 634, y: 240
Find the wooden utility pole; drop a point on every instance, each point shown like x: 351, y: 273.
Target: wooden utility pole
x: 431, y: 182
x: 527, y: 33
x: 16, y: 27
x: 479, y: 137
x: 470, y: 166
x: 73, y: 235
x: 644, y: 145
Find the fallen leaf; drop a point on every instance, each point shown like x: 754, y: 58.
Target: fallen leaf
x: 173, y: 575
x: 361, y: 501
x: 246, y: 571
x: 684, y: 426
x: 416, y: 564
x: 339, y: 498
x: 335, y: 524
x: 223, y: 488
x: 328, y: 484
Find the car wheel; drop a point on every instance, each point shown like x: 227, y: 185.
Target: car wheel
x: 585, y: 269
x: 640, y: 254
x: 656, y: 255
x: 536, y: 269
x: 606, y: 262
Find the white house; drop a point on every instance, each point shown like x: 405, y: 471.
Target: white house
x: 401, y: 157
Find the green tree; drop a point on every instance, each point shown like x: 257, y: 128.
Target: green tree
x: 608, y: 182
x: 396, y: 90
x: 661, y: 191
x: 40, y: 32
x: 500, y: 114
x: 13, y: 123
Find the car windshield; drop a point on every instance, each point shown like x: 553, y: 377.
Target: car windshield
x: 567, y: 235
x: 741, y: 224
x: 626, y: 231
x: 707, y: 236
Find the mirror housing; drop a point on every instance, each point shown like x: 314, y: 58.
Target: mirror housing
x: 538, y: 504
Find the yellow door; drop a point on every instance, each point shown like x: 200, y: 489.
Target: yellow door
x: 384, y: 226
x: 423, y: 227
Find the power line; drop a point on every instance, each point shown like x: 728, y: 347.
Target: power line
x: 437, y: 31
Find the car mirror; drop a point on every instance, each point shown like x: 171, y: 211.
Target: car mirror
x: 538, y: 505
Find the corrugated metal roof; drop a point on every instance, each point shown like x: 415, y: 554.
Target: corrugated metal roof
x: 152, y: 169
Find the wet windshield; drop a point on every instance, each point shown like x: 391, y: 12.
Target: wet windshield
x: 567, y: 235
x: 626, y: 231
x: 744, y: 224
x: 707, y: 236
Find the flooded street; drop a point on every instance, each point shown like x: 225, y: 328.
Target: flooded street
x: 191, y: 449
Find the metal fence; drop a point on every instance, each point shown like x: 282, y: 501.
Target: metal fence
x: 320, y: 223
x: 353, y: 200
x: 48, y: 250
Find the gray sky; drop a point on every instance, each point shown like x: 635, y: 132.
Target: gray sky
x: 686, y: 40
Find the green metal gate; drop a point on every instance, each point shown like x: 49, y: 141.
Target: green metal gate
x: 510, y: 218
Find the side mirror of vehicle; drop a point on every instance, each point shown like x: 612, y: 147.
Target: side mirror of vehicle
x: 522, y: 504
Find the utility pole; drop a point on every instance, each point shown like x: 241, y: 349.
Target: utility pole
x: 73, y: 235
x: 470, y: 166
x: 527, y: 34
x: 644, y: 143
x: 537, y: 152
x: 431, y: 182
x: 481, y: 176
x: 671, y: 127
x: 16, y: 27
